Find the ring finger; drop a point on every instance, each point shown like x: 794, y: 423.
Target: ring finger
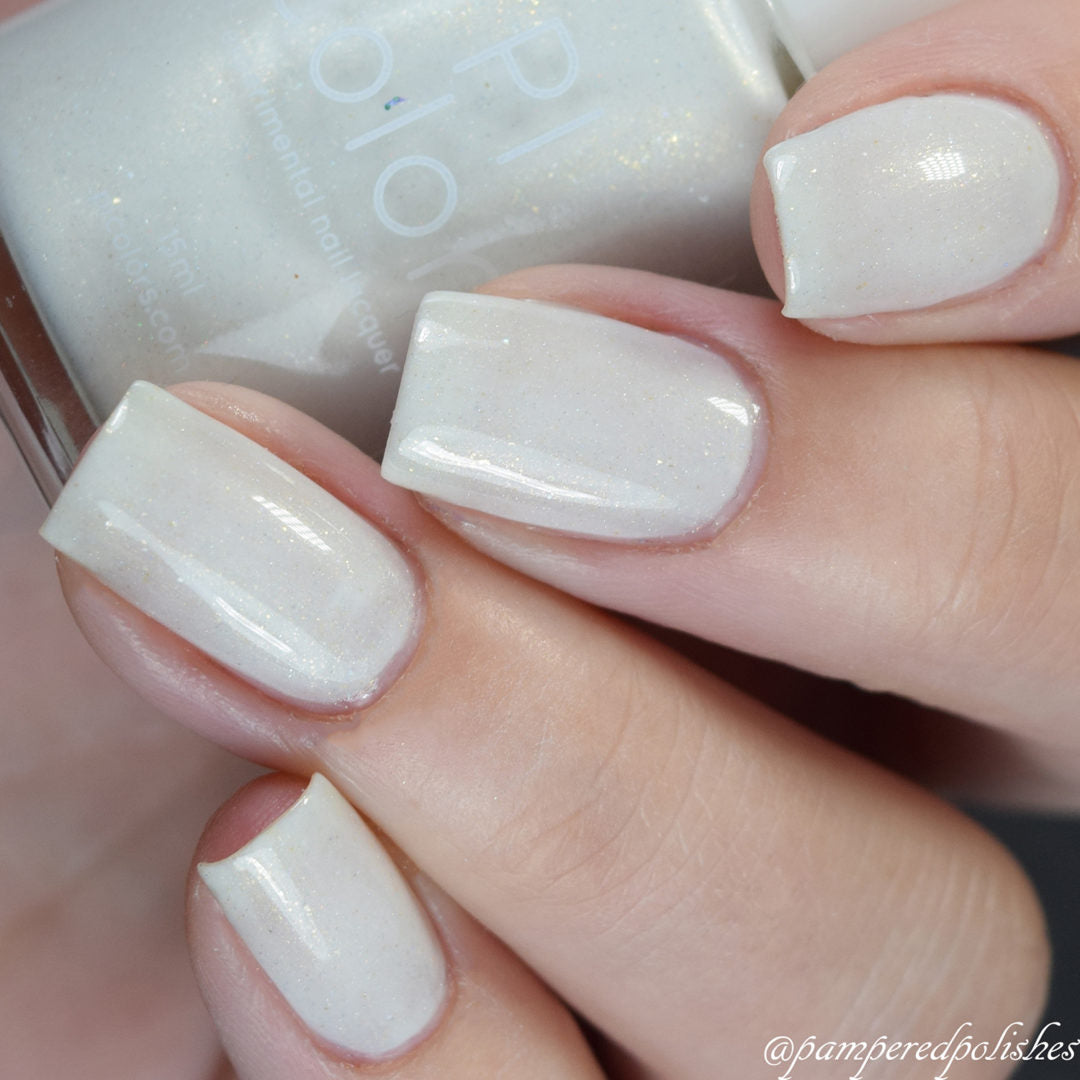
x: 687, y: 869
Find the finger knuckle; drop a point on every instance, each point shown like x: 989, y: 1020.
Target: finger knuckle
x: 1011, y: 584
x: 600, y: 837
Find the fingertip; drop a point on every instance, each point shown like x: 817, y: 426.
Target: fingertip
x: 766, y: 234
x: 324, y: 911
x: 184, y: 683
x: 320, y: 951
x: 246, y: 814
x: 920, y: 189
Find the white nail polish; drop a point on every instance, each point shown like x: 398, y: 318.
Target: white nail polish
x: 329, y: 918
x: 261, y: 191
x: 238, y: 553
x: 556, y: 417
x: 910, y: 203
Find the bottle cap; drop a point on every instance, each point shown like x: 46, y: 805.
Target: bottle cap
x: 815, y: 32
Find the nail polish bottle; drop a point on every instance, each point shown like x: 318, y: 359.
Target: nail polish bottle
x: 260, y: 191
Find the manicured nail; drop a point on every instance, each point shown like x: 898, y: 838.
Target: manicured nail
x: 557, y: 417
x: 329, y: 918
x: 910, y: 203
x: 238, y: 553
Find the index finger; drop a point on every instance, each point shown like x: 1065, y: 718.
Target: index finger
x: 922, y: 188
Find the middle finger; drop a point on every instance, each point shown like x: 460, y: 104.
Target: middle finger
x: 668, y: 854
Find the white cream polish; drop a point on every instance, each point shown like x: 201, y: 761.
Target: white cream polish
x: 911, y: 202
x: 235, y: 551
x: 562, y: 418
x: 328, y: 916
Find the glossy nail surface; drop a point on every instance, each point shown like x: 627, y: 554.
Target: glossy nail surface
x: 910, y: 203
x: 238, y: 553
x: 329, y: 918
x: 561, y: 418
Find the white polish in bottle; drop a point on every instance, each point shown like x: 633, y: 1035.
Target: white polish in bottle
x: 260, y: 191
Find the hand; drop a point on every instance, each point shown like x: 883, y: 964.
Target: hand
x: 688, y: 870
x: 888, y: 400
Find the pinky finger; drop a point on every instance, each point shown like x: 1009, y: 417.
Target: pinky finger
x: 315, y: 956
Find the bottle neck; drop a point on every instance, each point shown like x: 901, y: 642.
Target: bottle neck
x: 790, y: 39
x: 39, y: 402
x: 816, y: 32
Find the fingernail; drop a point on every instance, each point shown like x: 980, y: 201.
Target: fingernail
x: 329, y: 918
x: 910, y: 203
x: 238, y: 553
x: 556, y: 417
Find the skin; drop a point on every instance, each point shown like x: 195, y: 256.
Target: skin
x: 1019, y: 55
x: 678, y: 861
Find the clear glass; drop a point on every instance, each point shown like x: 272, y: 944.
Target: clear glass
x: 260, y: 191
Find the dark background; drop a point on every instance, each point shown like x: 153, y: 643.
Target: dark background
x: 1049, y: 848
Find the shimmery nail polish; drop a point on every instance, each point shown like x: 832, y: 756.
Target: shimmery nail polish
x: 238, y: 553
x: 557, y: 417
x: 260, y: 191
x: 910, y: 203
x: 328, y: 916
